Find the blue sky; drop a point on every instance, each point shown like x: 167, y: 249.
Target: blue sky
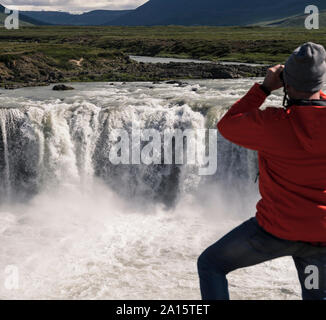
x: 72, y: 5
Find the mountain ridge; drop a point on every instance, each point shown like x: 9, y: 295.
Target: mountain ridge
x: 95, y: 17
x: 23, y: 19
x: 293, y: 21
x: 184, y: 12
x: 213, y: 12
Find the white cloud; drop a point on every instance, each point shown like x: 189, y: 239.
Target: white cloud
x: 72, y: 5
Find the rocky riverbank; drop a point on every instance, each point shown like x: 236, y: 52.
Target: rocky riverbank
x: 38, y: 69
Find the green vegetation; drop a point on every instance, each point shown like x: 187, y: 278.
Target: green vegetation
x: 52, y: 49
x: 250, y: 44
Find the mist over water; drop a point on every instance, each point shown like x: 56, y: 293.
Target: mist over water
x: 78, y: 227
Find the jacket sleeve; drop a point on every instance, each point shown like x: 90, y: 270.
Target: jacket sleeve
x: 245, y: 124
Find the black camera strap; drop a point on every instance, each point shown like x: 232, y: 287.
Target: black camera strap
x: 305, y: 103
x: 288, y: 102
x: 286, y: 98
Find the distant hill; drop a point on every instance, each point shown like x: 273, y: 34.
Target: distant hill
x: 213, y: 12
x: 92, y: 18
x: 23, y: 19
x: 294, y: 21
x: 184, y: 12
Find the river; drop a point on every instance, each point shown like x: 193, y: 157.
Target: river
x: 75, y: 226
x: 146, y: 59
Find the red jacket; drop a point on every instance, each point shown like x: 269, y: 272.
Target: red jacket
x: 291, y: 149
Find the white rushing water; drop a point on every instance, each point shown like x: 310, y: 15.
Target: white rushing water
x: 75, y: 226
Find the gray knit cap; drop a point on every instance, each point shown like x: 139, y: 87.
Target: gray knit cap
x: 305, y: 70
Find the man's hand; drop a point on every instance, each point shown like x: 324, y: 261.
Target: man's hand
x: 273, y: 81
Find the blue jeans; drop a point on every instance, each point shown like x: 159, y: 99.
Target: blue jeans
x: 248, y: 245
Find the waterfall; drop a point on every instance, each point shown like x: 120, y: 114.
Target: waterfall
x: 64, y: 146
x: 56, y: 143
x: 77, y: 225
x: 5, y: 160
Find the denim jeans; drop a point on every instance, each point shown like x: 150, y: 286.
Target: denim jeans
x: 248, y: 245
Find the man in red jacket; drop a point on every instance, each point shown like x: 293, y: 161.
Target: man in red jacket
x: 291, y: 144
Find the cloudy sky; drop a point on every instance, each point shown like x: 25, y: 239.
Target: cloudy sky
x: 72, y: 5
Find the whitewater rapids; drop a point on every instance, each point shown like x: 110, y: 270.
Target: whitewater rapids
x: 76, y: 227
